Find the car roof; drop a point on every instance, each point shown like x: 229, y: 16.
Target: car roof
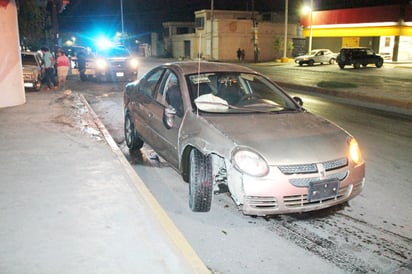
x: 190, y: 67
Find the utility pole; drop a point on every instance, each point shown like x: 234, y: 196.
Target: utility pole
x: 255, y: 34
x: 121, y: 14
x: 212, y: 8
x: 55, y: 26
x: 285, y: 48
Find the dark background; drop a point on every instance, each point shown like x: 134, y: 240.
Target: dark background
x: 147, y: 15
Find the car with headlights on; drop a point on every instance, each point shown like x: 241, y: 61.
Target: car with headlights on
x: 225, y: 126
x: 321, y: 56
x: 115, y: 64
x: 32, y: 70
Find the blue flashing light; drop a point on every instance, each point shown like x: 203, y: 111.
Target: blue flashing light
x: 104, y: 43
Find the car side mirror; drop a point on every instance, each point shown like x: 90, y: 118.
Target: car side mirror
x: 298, y: 100
x: 169, y: 114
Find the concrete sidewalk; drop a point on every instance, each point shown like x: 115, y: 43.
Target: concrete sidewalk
x: 71, y: 203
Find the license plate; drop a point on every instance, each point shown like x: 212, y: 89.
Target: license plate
x: 119, y: 74
x: 322, y: 190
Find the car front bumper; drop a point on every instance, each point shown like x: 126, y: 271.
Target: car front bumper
x: 275, y: 194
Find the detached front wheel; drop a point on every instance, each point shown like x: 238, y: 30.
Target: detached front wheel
x: 133, y: 141
x: 200, y: 182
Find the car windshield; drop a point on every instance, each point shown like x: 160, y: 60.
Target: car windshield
x: 114, y: 52
x: 28, y: 60
x: 231, y: 92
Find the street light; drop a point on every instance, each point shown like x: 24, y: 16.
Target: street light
x: 306, y: 10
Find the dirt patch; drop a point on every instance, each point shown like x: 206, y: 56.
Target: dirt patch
x: 76, y: 115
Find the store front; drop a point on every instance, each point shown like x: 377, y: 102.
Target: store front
x: 385, y: 29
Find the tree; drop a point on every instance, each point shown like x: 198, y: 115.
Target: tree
x: 278, y: 46
x: 34, y: 24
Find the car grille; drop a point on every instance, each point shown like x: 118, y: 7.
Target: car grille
x: 312, y: 168
x: 28, y: 76
x: 117, y: 65
x: 304, y: 182
x: 261, y: 202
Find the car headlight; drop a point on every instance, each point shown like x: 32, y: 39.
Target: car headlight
x: 101, y: 64
x: 250, y: 162
x: 134, y: 63
x: 354, y: 151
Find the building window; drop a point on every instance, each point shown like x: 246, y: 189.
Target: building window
x: 200, y: 22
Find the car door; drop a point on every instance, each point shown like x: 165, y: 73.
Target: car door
x: 141, y: 101
x: 322, y: 57
x: 165, y: 138
x: 370, y: 56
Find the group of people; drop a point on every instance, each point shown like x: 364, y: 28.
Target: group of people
x: 240, y: 54
x: 61, y: 63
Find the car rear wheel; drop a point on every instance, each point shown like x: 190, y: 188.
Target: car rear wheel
x: 200, y: 182
x: 379, y: 64
x: 332, y: 61
x: 133, y: 141
x: 356, y: 65
x: 341, y: 65
x: 300, y: 63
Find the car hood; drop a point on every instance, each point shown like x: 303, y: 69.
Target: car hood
x: 291, y: 138
x: 304, y: 56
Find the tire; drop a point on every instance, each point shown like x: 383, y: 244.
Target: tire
x: 300, y: 63
x: 332, y: 61
x: 356, y: 65
x: 379, y: 64
x: 341, y: 65
x: 364, y: 65
x: 37, y: 85
x: 200, y: 182
x: 133, y: 141
x: 311, y: 62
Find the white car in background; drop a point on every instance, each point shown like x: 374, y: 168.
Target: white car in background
x: 32, y: 70
x: 321, y: 56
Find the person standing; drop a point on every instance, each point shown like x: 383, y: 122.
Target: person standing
x: 239, y: 54
x: 49, y: 67
x: 62, y: 68
x: 242, y: 55
x: 81, y: 64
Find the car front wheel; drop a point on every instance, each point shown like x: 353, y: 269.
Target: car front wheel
x: 379, y: 64
x: 200, y: 182
x: 332, y: 61
x: 311, y: 62
x: 133, y: 141
x: 341, y: 65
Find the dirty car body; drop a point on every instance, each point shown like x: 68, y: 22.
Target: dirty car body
x: 226, y: 126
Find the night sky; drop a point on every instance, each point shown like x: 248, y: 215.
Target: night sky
x: 142, y: 16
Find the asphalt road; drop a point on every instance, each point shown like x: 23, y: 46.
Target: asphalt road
x: 371, y: 234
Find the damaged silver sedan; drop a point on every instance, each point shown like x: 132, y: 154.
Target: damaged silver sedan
x: 224, y: 125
